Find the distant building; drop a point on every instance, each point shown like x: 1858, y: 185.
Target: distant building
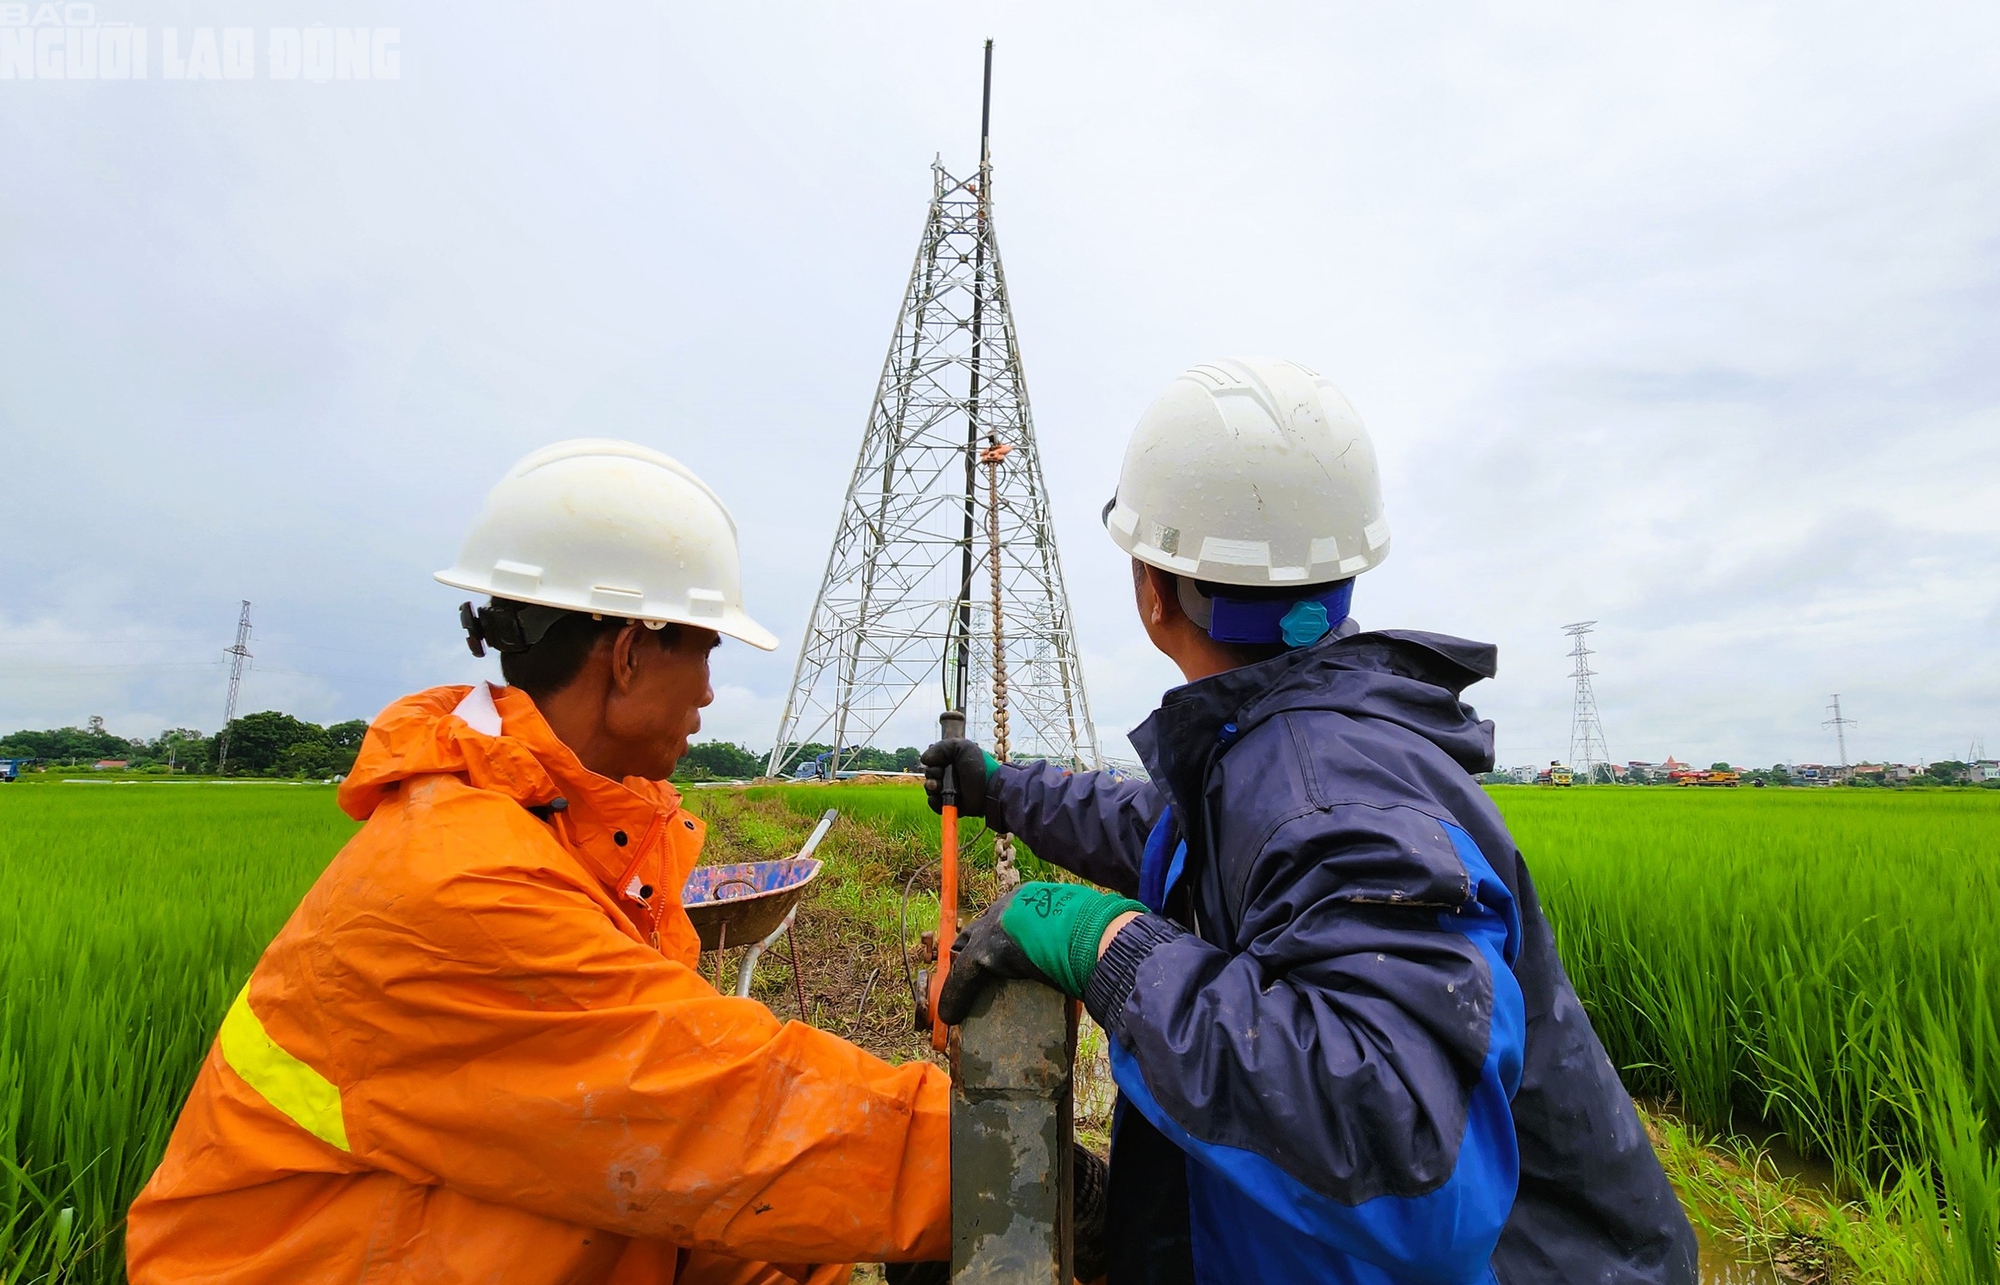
x: 1643, y: 773
x: 1982, y: 771
x: 110, y: 765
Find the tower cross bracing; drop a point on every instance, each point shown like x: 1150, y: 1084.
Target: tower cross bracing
x: 948, y: 481
x: 1586, y: 731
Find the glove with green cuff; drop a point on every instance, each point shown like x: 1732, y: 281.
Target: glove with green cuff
x: 1044, y: 932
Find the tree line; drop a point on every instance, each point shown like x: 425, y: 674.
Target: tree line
x: 262, y: 744
x: 273, y: 744
x: 722, y: 761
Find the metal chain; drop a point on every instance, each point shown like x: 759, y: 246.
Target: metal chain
x: 1004, y: 870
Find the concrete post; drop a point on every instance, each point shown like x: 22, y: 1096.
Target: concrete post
x: 1011, y: 1128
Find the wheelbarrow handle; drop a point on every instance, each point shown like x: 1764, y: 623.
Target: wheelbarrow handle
x: 826, y: 821
x: 746, y: 967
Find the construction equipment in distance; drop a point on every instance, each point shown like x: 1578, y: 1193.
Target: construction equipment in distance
x: 1713, y: 776
x: 1555, y: 774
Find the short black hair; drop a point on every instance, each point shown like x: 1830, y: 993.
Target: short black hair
x: 553, y: 662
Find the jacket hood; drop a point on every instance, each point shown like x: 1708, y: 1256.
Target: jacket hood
x: 1403, y: 677
x: 494, y: 739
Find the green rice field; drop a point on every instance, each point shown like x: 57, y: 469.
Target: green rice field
x: 1821, y: 965
x: 1817, y: 966
x: 139, y: 910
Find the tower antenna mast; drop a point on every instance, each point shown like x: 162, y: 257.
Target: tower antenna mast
x: 237, y: 655
x: 1586, y: 732
x: 964, y: 644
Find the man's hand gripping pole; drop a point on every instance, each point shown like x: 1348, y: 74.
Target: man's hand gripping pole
x: 952, y: 725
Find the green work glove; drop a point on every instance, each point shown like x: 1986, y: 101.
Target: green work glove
x: 1044, y: 932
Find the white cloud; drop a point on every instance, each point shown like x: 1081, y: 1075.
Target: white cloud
x: 1681, y: 319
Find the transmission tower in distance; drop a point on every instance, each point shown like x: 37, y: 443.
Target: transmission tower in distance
x: 237, y: 655
x: 1839, y: 726
x: 897, y: 616
x: 1586, y: 731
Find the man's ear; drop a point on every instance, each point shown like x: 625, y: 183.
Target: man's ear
x: 625, y: 656
x: 1163, y: 602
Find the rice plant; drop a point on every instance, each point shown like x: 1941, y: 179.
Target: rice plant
x: 1819, y: 962
x: 139, y: 911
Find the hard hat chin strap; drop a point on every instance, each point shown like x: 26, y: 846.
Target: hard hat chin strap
x: 513, y: 627
x: 506, y: 626
x: 1295, y: 621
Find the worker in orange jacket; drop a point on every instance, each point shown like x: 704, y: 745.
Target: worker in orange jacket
x: 481, y: 1050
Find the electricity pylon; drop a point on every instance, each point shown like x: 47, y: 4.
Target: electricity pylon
x: 1586, y: 733
x: 237, y: 655
x: 897, y: 616
x: 1839, y: 726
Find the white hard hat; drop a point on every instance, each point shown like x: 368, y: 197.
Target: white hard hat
x: 611, y: 528
x: 1251, y: 471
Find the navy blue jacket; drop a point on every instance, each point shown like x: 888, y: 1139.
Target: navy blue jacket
x: 1345, y: 1048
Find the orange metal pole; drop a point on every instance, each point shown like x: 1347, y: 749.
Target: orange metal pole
x: 947, y: 917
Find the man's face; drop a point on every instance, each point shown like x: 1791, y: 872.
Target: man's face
x: 660, y: 705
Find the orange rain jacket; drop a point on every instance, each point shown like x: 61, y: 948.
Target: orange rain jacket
x: 481, y: 1051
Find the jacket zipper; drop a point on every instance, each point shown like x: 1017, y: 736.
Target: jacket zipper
x: 645, y: 845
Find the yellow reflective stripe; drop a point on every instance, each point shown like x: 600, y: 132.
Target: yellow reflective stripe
x: 288, y: 1084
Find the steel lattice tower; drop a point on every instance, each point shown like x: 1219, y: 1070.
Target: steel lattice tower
x: 1586, y: 732
x: 1839, y: 726
x: 899, y: 615
x: 237, y: 655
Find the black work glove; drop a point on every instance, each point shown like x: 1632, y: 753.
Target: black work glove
x: 970, y: 767
x: 984, y: 952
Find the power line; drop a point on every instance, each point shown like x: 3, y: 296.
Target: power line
x: 66, y: 643
x: 139, y: 666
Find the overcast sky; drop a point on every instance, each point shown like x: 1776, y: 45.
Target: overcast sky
x: 1679, y: 318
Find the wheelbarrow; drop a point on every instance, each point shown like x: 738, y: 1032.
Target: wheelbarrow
x: 751, y: 904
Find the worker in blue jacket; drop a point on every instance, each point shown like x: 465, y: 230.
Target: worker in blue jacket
x: 1345, y: 1047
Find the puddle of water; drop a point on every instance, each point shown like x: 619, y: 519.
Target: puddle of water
x: 1721, y: 1263
x: 1720, y: 1266
x: 1812, y: 1175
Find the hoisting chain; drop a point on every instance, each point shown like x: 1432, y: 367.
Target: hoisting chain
x: 1003, y: 845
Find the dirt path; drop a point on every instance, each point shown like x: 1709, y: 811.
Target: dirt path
x: 851, y: 968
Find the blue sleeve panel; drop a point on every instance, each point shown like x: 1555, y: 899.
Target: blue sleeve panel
x: 1257, y: 1219
x: 1090, y: 823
